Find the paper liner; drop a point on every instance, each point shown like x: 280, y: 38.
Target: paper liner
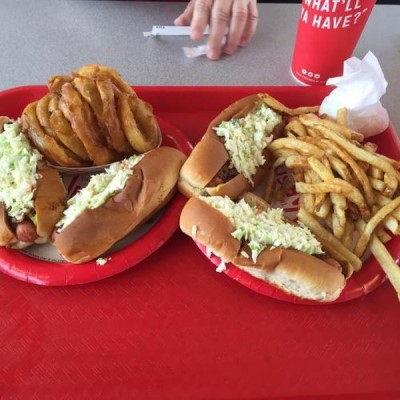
x: 43, y: 266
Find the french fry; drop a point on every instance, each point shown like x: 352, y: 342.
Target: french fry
x: 275, y: 104
x: 324, y: 209
x: 314, y: 133
x: 391, y: 184
x: 372, y: 225
x: 285, y: 152
x: 337, y: 186
x: 339, y: 215
x: 305, y: 110
x: 314, y: 188
x: 332, y: 245
x: 296, y: 162
x: 364, y: 165
x: 298, y: 145
x: 315, y: 140
x: 392, y: 224
x: 338, y: 201
x: 359, y: 173
x: 319, y: 198
x: 377, y: 184
x: 375, y: 172
x: 348, y: 236
x: 383, y: 200
x: 296, y: 127
x: 387, y: 263
x: 278, y: 106
x: 307, y: 199
x: 330, y: 148
x: 341, y: 116
x: 278, y: 162
x: 394, y: 163
x: 340, y: 168
x: 383, y: 236
x: 380, y: 232
x: 324, y: 173
x: 342, y: 131
x: 384, y: 259
x: 359, y: 153
x: 291, y: 135
x: 371, y: 147
x: 314, y: 176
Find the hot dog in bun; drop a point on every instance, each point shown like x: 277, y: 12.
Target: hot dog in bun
x: 262, y: 242
x: 116, y: 202
x: 232, y: 156
x: 32, y: 195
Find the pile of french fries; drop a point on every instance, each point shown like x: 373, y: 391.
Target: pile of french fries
x: 349, y: 194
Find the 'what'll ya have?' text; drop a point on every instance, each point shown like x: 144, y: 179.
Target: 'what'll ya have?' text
x: 324, y: 14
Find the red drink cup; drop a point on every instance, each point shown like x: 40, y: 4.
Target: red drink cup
x: 327, y: 34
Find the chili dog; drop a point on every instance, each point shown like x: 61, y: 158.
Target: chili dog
x: 232, y: 156
x: 117, y: 202
x: 32, y: 195
x: 260, y: 241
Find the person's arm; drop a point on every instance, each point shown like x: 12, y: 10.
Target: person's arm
x: 238, y: 16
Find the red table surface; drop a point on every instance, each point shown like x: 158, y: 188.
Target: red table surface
x: 171, y: 327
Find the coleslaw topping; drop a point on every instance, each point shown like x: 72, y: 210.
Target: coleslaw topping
x: 18, y: 172
x: 246, y: 138
x: 261, y: 229
x: 99, y: 189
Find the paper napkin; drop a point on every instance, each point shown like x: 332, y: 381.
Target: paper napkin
x: 359, y: 90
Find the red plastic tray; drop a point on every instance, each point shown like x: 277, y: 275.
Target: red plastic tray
x: 172, y: 328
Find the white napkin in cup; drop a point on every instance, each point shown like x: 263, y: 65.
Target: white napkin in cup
x: 359, y: 90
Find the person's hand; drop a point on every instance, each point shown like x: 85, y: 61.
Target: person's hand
x: 239, y: 17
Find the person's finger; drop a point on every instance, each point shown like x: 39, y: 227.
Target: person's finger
x: 201, y: 16
x: 219, y: 21
x: 251, y: 24
x: 237, y: 25
x: 186, y: 17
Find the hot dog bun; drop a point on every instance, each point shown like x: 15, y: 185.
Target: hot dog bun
x: 33, y: 194
x: 210, y: 155
x: 293, y: 271
x: 148, y: 189
x: 49, y: 200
